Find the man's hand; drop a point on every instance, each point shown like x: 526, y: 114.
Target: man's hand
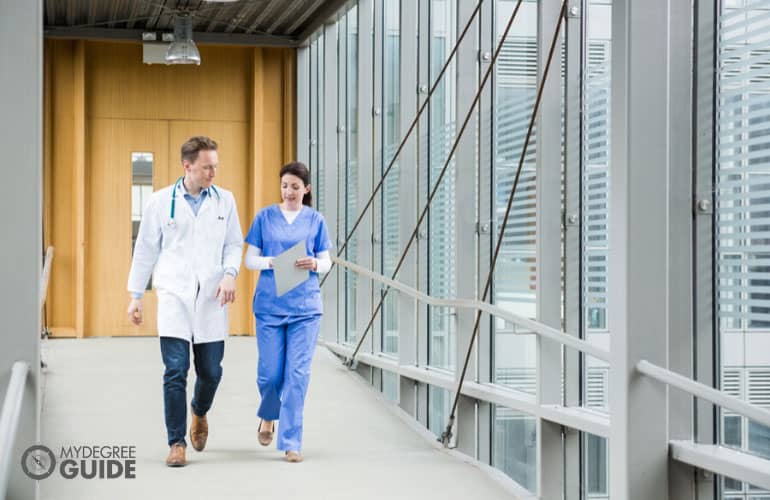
x: 135, y: 311
x: 226, y: 290
x: 308, y: 263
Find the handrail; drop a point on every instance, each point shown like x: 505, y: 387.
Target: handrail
x: 45, y: 275
x: 535, y: 327
x: 9, y: 420
x: 703, y: 391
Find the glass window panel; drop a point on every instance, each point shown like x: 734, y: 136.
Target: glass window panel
x: 347, y: 58
x: 514, y: 360
x: 596, y: 480
x: 515, y: 446
x: 743, y: 219
x: 732, y: 430
x: 596, y: 205
x: 390, y: 385
x: 317, y: 79
x: 759, y: 439
x: 391, y: 138
x: 515, y: 81
x: 141, y: 189
x: 441, y: 217
x: 439, y: 402
x: 340, y: 30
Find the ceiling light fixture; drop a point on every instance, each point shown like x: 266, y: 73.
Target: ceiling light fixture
x: 183, y: 50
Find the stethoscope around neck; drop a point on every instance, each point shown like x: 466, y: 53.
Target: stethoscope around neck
x: 171, y: 221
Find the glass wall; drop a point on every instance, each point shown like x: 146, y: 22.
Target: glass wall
x: 347, y: 154
x: 743, y: 223
x: 515, y: 451
x: 316, y: 116
x: 509, y: 358
x: 391, y: 138
x: 514, y: 355
x: 595, y: 201
x: 441, y: 216
x: 514, y: 285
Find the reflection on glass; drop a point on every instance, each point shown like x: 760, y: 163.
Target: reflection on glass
x: 515, y: 80
x: 391, y: 138
x: 442, y: 267
x: 515, y: 446
x: 141, y: 189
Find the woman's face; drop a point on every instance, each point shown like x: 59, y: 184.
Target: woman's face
x: 292, y: 190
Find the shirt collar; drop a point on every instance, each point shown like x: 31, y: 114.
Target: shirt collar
x: 202, y: 191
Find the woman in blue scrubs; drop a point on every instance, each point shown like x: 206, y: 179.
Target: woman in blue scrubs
x: 287, y: 326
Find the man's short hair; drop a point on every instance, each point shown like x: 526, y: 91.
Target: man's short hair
x: 195, y: 145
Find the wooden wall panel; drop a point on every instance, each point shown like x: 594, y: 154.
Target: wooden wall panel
x: 109, y: 221
x: 103, y: 104
x: 268, y: 149
x: 121, y: 86
x: 61, y: 297
x: 80, y: 193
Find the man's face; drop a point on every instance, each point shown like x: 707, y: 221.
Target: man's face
x: 202, y: 171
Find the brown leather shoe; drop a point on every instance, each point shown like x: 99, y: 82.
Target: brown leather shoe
x: 199, y: 431
x: 176, y: 456
x: 265, y: 437
x: 293, y: 457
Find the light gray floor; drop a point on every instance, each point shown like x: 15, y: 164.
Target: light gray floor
x: 109, y: 391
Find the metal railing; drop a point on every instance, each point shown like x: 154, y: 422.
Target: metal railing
x: 530, y: 325
x: 580, y: 418
x: 719, y: 460
x: 9, y: 420
x: 704, y: 392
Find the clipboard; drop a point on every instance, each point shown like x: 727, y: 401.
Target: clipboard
x: 287, y: 275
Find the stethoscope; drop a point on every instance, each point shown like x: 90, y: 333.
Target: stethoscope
x: 171, y: 221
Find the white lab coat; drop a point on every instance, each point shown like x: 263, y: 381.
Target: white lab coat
x: 189, y: 258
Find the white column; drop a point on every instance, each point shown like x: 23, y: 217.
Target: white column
x: 21, y: 99
x: 639, y: 247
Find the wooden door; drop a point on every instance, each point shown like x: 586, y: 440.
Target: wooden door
x: 109, y: 220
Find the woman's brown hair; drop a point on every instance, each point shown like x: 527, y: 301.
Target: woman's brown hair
x: 299, y: 169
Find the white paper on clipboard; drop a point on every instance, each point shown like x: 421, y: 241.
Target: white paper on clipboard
x: 287, y: 275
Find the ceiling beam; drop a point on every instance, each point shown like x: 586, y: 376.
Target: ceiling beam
x: 301, y: 19
x: 328, y: 11
x: 199, y: 37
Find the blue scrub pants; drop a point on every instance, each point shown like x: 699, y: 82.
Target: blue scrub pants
x: 208, y: 368
x: 286, y: 345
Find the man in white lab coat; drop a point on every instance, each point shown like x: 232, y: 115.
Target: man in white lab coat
x: 190, y: 239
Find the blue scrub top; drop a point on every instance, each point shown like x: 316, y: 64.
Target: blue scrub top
x: 271, y: 233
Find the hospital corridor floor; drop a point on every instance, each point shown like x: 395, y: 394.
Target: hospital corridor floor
x: 108, y: 392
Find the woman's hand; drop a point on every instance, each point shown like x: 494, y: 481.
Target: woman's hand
x: 308, y: 263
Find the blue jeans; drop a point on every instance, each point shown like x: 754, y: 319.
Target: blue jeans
x: 208, y: 368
